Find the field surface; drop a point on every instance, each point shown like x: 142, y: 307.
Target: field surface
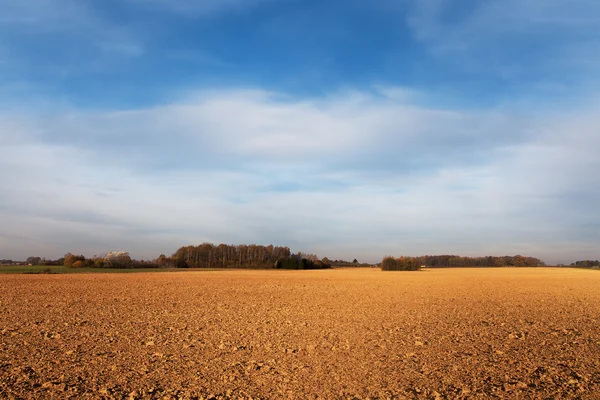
x: 346, y: 333
x: 53, y: 269
x: 61, y: 269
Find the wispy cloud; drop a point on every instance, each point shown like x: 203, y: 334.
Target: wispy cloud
x: 516, y: 39
x: 441, y: 22
x: 57, y: 39
x: 202, y: 8
x: 349, y: 173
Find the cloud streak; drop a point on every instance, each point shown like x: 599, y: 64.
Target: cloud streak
x: 48, y: 43
x: 205, y: 8
x: 516, y: 40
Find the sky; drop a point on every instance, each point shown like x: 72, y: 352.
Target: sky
x: 349, y: 129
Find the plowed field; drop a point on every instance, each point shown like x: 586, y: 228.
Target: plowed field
x: 456, y: 333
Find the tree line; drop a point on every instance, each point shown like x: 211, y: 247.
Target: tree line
x: 448, y: 261
x: 586, y: 264
x: 207, y: 255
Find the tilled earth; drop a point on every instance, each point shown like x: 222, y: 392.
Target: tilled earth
x: 456, y: 333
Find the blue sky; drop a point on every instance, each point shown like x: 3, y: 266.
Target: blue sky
x: 348, y: 129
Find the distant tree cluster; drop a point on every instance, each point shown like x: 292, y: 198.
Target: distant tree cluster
x: 117, y: 259
x: 207, y: 255
x: 76, y: 261
x: 348, y: 264
x: 33, y: 261
x: 449, y: 261
x: 114, y: 259
x: 298, y: 261
x: 489, y: 261
x: 586, y: 264
x: 400, y: 264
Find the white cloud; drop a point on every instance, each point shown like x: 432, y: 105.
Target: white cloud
x: 346, y: 176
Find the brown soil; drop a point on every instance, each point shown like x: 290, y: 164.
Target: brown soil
x: 458, y: 333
